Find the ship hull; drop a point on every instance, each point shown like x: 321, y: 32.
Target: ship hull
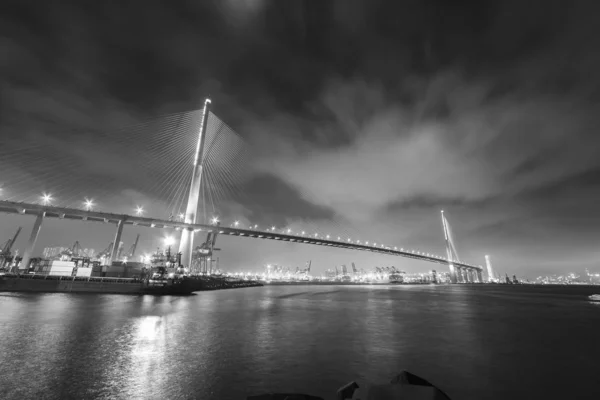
x: 69, y: 285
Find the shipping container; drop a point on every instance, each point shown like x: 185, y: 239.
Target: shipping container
x: 84, y: 272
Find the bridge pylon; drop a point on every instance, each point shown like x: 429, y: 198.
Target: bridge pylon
x: 451, y: 253
x: 186, y: 244
x: 490, y: 270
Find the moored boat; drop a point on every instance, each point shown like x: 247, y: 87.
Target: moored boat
x: 74, y: 284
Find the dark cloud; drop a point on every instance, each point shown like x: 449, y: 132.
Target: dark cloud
x: 364, y: 118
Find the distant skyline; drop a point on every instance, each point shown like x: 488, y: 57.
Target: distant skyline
x: 361, y: 117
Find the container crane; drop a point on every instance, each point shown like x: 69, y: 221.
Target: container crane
x: 77, y: 251
x: 5, y: 253
x: 106, y: 252
x: 131, y: 252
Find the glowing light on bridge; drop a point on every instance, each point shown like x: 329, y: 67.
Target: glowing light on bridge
x: 169, y: 240
x: 273, y: 228
x: 89, y: 204
x: 327, y: 237
x: 46, y: 198
x: 289, y: 231
x: 214, y: 220
x: 139, y: 210
x: 181, y: 216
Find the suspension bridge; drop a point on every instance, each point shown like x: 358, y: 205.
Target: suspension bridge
x: 187, y: 175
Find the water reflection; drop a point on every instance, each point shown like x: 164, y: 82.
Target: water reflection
x: 228, y: 344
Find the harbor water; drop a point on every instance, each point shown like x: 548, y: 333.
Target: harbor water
x: 474, y: 342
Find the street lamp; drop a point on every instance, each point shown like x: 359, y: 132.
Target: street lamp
x: 89, y: 204
x: 46, y: 198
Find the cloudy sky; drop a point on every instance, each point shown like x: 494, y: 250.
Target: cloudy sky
x: 363, y: 118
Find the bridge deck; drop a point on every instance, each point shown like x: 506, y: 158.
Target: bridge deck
x: 97, y: 216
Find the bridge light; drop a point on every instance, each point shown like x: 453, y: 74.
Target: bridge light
x: 302, y: 232
x: 255, y: 226
x: 139, y: 210
x: 374, y: 244
x: 89, y: 203
x: 289, y: 230
x: 46, y: 198
x: 349, y: 240
x: 327, y: 236
x: 214, y: 220
x: 367, y: 243
x: 316, y: 235
x: 169, y: 240
x: 395, y: 248
x: 273, y: 228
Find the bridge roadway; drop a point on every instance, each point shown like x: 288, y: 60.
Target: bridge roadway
x: 12, y: 207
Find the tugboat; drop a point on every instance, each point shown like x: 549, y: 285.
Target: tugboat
x: 405, y: 386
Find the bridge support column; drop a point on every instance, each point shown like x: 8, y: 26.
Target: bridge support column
x: 186, y: 244
x: 117, y: 241
x: 32, y: 240
x: 466, y: 275
x: 453, y: 275
x: 479, y: 276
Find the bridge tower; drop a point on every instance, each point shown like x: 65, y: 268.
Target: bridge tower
x: 451, y: 253
x: 490, y: 270
x: 186, y: 244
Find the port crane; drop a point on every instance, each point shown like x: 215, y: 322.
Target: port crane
x: 5, y: 252
x: 131, y: 251
x: 106, y: 252
x: 204, y: 252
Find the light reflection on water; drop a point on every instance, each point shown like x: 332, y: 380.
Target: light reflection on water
x: 474, y: 342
